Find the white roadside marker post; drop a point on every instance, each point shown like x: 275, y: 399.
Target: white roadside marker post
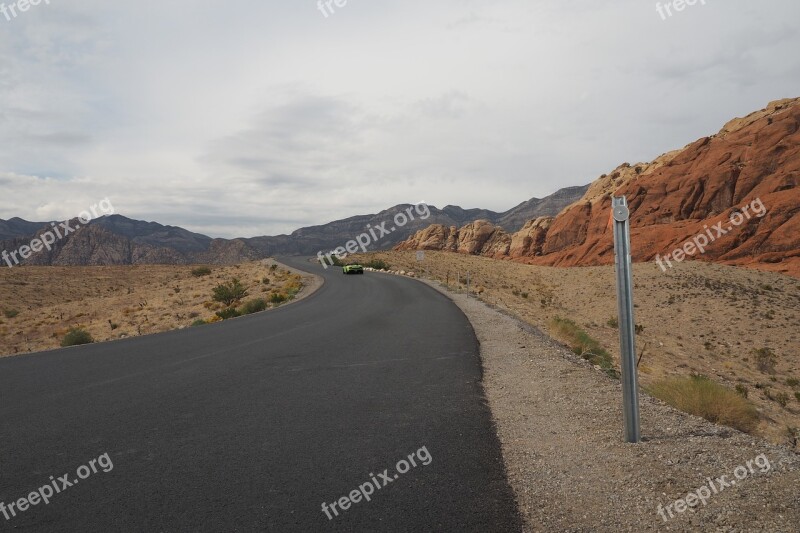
x: 627, y: 328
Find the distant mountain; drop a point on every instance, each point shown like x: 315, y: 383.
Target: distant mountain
x: 329, y: 236
x: 16, y: 227
x: 117, y: 240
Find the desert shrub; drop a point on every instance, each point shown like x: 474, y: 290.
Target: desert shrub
x: 742, y: 390
x: 227, y: 313
x: 797, y: 395
x: 782, y: 398
x: 10, y: 313
x: 765, y: 360
x: 792, y: 382
x: 76, y: 336
x: 273, y: 268
x: 377, y: 264
x: 700, y: 396
x: 194, y: 314
x: 254, y: 306
x: 277, y: 298
x: 229, y: 293
x: 265, y: 281
x: 613, y: 322
x: 201, y: 271
x: 524, y: 295
x: 582, y: 344
x: 199, y: 322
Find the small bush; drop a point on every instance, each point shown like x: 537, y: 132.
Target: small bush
x: 377, y: 264
x: 76, y: 337
x: 613, y: 322
x: 277, y: 298
x: 582, y: 344
x: 201, y: 271
x: 782, y: 398
x: 229, y: 293
x: 10, y: 313
x: 199, y: 322
x: 742, y: 390
x: 797, y: 395
x: 194, y: 314
x: 524, y: 295
x: 254, y: 306
x: 792, y: 382
x: 700, y: 396
x: 765, y: 360
x: 230, y: 312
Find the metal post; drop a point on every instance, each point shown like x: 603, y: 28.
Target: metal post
x: 467, y: 282
x: 627, y: 331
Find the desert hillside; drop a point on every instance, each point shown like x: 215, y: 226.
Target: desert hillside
x: 738, y: 188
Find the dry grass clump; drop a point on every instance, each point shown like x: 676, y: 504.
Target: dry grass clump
x: 582, y: 344
x: 700, y: 396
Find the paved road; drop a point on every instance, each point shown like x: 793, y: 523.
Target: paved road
x: 251, y: 424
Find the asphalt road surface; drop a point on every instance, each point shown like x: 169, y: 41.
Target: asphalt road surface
x: 251, y: 424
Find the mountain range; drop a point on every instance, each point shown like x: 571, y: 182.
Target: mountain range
x: 673, y: 200
x: 118, y: 240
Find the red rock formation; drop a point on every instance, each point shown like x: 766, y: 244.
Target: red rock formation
x: 675, y: 198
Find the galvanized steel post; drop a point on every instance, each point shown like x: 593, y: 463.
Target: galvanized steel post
x: 627, y: 323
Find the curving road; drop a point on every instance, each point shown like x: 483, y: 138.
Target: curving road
x: 251, y: 424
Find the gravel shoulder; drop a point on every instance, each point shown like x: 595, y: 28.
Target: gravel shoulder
x: 560, y: 424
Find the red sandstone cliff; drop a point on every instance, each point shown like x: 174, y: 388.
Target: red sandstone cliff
x: 672, y: 199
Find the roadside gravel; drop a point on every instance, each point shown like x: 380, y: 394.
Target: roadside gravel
x: 560, y: 424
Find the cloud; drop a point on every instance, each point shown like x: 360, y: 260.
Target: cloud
x: 260, y: 117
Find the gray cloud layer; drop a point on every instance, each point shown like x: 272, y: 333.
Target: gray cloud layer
x: 252, y: 118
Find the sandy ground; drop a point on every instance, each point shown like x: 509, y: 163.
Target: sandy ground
x: 698, y: 317
x: 123, y: 301
x: 560, y: 424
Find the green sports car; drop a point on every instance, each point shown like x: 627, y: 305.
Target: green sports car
x: 352, y: 269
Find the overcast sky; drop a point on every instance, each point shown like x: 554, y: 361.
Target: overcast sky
x: 257, y: 117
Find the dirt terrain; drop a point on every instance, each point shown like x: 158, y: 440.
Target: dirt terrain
x: 697, y: 318
x: 38, y: 305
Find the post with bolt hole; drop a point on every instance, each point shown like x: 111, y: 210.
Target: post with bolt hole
x: 627, y: 329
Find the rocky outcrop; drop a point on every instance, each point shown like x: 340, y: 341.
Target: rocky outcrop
x: 478, y: 238
x: 681, y: 195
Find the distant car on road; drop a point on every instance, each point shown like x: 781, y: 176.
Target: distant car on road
x: 352, y: 269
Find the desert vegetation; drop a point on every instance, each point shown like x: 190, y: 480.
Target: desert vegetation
x: 49, y: 307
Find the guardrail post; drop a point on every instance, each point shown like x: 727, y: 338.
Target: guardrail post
x: 627, y: 323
